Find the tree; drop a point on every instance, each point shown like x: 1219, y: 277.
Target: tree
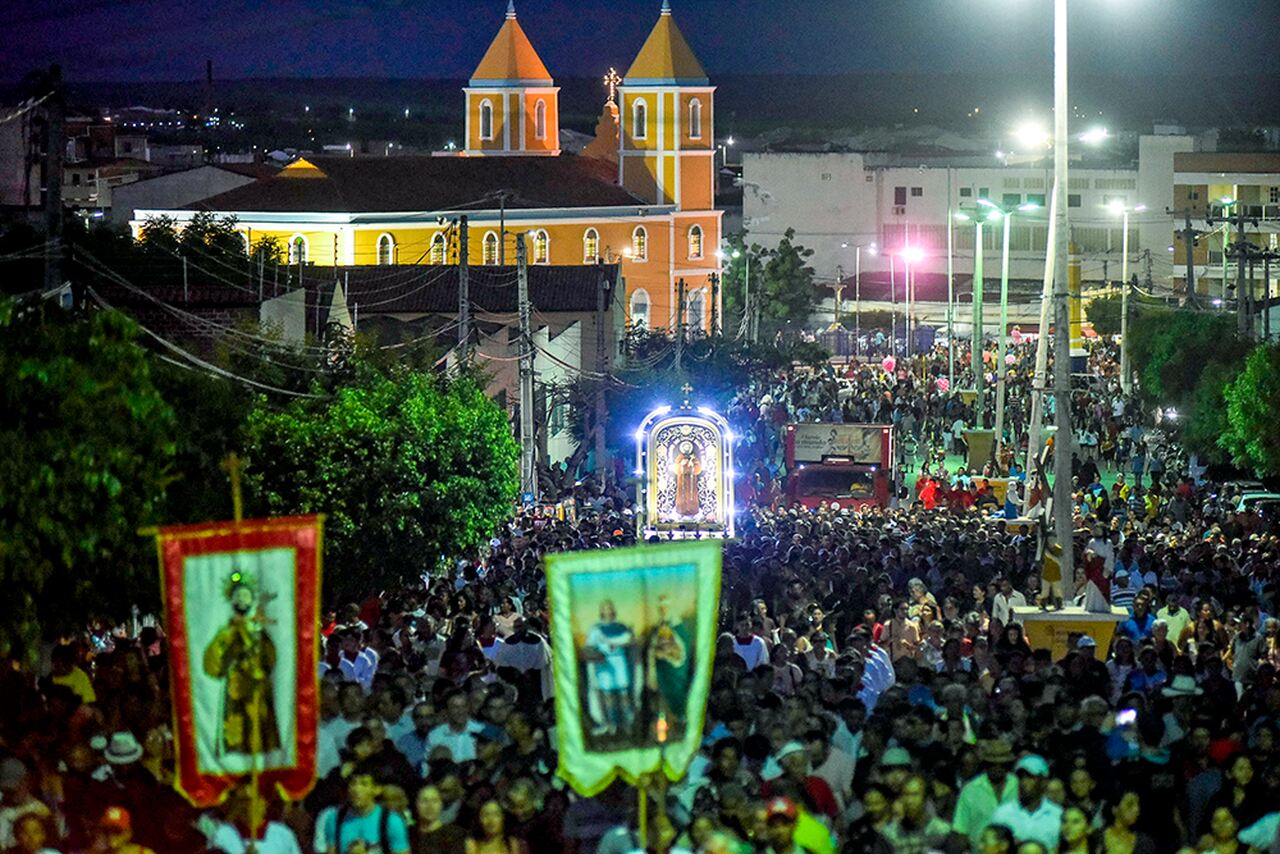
x: 1252, y: 434
x: 787, y: 294
x: 410, y: 469
x: 781, y: 283
x: 90, y: 448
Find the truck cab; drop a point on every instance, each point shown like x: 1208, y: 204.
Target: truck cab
x: 850, y: 465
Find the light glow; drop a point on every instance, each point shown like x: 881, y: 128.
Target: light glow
x: 1031, y: 135
x: 1094, y: 136
x: 912, y: 254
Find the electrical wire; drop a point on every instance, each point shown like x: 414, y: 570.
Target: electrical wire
x: 207, y: 366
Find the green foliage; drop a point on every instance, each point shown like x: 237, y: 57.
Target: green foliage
x: 1252, y: 433
x: 1171, y: 349
x: 781, y: 282
x: 787, y: 292
x: 410, y: 471
x: 1206, y: 416
x: 1104, y: 314
x: 89, y: 449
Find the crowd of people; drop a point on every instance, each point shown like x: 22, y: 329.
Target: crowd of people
x: 872, y: 689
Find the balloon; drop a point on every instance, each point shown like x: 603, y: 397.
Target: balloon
x: 889, y: 364
x: 944, y: 384
x: 1010, y: 359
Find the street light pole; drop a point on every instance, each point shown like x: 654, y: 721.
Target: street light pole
x: 1125, y: 382
x: 975, y: 356
x: 1063, y: 509
x: 893, y: 308
x: 951, y: 336
x: 1004, y: 334
x: 857, y: 302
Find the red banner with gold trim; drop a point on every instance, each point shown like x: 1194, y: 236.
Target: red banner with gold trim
x: 241, y: 614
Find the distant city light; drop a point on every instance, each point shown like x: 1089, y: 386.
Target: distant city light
x: 911, y: 254
x: 730, y: 140
x: 406, y: 112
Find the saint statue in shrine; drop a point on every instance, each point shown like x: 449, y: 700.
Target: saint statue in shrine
x: 687, y: 468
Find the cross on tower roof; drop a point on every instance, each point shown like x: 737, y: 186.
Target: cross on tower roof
x: 688, y: 390
x: 612, y: 80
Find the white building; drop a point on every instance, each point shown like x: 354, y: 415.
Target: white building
x: 837, y: 202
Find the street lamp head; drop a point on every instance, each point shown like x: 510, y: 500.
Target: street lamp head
x: 912, y: 254
x: 1029, y: 206
x: 1226, y: 201
x: 730, y: 139
x: 1139, y: 208
x: 987, y: 203
x: 736, y: 254
x: 844, y: 244
x: 1094, y: 136
x: 961, y: 216
x: 1116, y: 207
x: 994, y: 215
x: 872, y: 249
x: 1031, y: 135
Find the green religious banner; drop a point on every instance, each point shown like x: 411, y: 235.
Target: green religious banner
x: 633, y: 636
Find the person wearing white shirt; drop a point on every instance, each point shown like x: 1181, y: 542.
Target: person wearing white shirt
x: 356, y: 663
x: 1005, y: 601
x: 750, y: 648
x: 458, y: 732
x: 1031, y: 816
x: 276, y: 839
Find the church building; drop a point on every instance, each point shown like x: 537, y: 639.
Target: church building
x: 641, y: 195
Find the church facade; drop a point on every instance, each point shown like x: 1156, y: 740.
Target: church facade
x: 642, y: 195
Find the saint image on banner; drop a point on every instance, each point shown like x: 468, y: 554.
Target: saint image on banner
x: 243, y: 656
x: 634, y: 636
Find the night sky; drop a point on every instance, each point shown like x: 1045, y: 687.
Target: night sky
x: 137, y: 40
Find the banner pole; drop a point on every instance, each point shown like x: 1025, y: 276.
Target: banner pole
x: 257, y: 808
x: 643, y: 789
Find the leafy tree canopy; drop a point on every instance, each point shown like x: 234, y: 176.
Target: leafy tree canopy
x: 90, y: 449
x: 1252, y: 433
x: 409, y: 468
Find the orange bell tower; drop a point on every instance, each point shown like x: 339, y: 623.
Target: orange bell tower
x: 667, y: 156
x: 513, y: 106
x: 666, y: 147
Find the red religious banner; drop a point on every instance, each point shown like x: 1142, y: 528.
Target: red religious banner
x: 241, y: 615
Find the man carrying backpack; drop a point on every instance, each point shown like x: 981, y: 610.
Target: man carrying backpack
x: 361, y: 825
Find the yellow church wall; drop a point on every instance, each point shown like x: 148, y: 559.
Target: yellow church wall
x: 630, y: 141
x: 552, y: 140
x: 319, y: 243
x: 639, y: 176
x: 474, y: 100
x: 696, y: 175
x: 706, y: 138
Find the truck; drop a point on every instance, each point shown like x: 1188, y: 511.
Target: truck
x: 848, y: 464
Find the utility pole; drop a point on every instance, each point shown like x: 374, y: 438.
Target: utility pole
x: 1266, y: 294
x: 679, y: 322
x: 714, y: 278
x: 54, y: 145
x: 1124, y: 303
x: 1240, y: 251
x: 602, y: 367
x: 464, y: 293
x: 528, y: 474
x: 1188, y: 234
x: 839, y: 289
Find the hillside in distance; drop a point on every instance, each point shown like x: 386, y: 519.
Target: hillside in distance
x: 754, y: 103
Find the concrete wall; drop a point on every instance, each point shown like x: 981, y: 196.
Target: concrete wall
x: 839, y: 201
x: 172, y: 191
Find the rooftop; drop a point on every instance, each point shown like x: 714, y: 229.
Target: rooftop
x: 511, y: 59
x: 427, y: 183
x: 666, y: 58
